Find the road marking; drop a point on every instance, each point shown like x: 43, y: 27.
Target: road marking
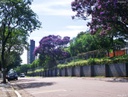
x: 50, y: 91
x: 17, y: 93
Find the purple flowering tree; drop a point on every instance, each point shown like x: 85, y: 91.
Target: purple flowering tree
x: 51, y: 48
x: 104, y: 14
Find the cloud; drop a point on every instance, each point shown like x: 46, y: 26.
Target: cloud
x: 52, y: 3
x: 75, y: 27
x: 55, y: 7
x: 70, y: 31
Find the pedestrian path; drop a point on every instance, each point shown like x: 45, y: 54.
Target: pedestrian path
x: 6, y: 90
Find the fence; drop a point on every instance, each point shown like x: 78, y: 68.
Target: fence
x: 111, y: 70
x: 118, y: 53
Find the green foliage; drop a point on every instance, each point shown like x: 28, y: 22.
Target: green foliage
x: 16, y: 16
x: 96, y: 61
x: 14, y: 48
x: 13, y: 60
x: 39, y: 70
x: 82, y: 43
x: 85, y: 42
x: 71, y: 64
x: 92, y: 61
x: 120, y: 59
x: 35, y: 63
x: 23, y: 68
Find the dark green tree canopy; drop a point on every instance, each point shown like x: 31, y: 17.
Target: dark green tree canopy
x: 15, y: 16
x: 18, y: 14
x: 84, y: 42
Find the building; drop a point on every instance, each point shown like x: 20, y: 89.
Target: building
x: 30, y: 55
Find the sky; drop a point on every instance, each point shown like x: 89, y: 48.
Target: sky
x: 55, y: 16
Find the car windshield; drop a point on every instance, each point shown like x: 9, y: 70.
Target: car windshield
x: 22, y: 74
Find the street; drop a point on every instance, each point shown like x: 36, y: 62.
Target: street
x: 71, y: 87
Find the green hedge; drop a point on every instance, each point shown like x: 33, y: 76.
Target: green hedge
x: 91, y: 61
x: 35, y: 71
x: 96, y: 61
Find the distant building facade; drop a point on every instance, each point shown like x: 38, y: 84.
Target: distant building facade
x: 30, y: 55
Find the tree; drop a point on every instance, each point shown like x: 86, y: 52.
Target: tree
x: 23, y: 68
x: 14, y: 48
x: 15, y: 14
x: 84, y: 42
x: 13, y: 60
x: 112, y: 41
x: 51, y: 48
x: 105, y: 14
x: 35, y: 64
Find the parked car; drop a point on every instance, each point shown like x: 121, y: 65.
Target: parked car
x: 22, y: 75
x: 12, y: 76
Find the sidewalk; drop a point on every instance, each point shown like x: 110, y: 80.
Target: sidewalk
x: 6, y: 90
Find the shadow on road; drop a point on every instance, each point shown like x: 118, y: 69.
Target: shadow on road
x: 24, y: 80
x: 122, y: 80
x: 33, y: 85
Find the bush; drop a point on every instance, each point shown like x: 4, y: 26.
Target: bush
x: 95, y: 61
x: 92, y: 61
x: 73, y: 63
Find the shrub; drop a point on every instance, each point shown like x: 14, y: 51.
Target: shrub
x: 95, y: 61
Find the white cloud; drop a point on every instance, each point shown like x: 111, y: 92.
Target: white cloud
x: 71, y: 32
x: 75, y: 27
x: 55, y: 7
x: 51, y: 3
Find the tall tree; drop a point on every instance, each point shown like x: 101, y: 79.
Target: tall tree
x: 51, y: 48
x: 14, y: 48
x: 105, y: 14
x: 15, y: 14
x: 84, y: 42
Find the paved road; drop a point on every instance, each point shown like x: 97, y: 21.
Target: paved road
x: 72, y: 87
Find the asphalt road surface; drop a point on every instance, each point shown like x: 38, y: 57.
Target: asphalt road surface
x: 71, y: 87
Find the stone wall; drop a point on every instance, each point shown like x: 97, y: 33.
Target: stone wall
x: 117, y: 70
x: 111, y: 70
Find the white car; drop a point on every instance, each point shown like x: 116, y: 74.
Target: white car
x: 22, y: 75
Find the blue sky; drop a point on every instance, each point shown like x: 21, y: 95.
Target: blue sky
x: 55, y: 16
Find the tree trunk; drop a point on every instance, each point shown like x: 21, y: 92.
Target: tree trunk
x: 4, y: 76
x: 3, y: 71
x: 114, y: 53
x: 3, y: 64
x: 113, y: 46
x: 108, y: 53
